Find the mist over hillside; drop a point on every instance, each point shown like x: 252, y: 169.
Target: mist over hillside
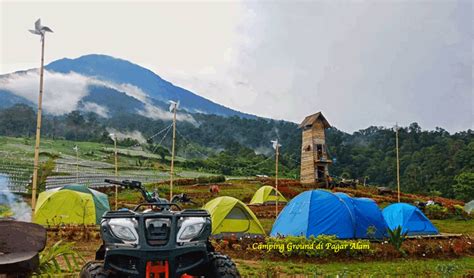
x: 107, y: 86
x: 431, y: 162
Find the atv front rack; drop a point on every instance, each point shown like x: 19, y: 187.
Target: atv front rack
x: 166, y: 205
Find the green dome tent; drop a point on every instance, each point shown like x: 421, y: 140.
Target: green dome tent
x: 266, y: 195
x: 71, y: 204
x: 231, y: 216
x: 469, y: 207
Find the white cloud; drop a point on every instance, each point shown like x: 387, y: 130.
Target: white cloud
x: 62, y: 92
x: 360, y: 63
x: 128, y: 89
x: 96, y: 108
x: 121, y: 135
x: 156, y: 113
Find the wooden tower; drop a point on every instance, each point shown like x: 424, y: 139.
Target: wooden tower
x: 314, y: 155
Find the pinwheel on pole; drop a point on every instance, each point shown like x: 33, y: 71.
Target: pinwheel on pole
x: 173, y: 108
x: 398, y: 160
x: 276, y: 147
x: 114, y: 138
x: 41, y: 31
x: 76, y: 149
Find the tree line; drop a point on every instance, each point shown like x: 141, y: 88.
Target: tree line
x: 431, y: 161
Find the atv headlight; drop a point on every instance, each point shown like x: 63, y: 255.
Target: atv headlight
x: 190, y: 228
x: 124, y: 229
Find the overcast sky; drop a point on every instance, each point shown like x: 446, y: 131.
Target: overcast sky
x: 361, y: 63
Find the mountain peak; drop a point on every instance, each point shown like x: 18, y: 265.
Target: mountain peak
x: 101, y: 65
x: 122, y: 72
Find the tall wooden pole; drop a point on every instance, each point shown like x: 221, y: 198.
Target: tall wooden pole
x: 77, y: 164
x: 276, y: 177
x: 116, y: 171
x: 38, y: 132
x: 172, y: 152
x: 398, y: 162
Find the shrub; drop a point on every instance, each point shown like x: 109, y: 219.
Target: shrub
x: 216, y: 179
x: 49, y: 264
x: 5, y: 211
x: 396, y: 238
x: 459, y: 212
x: 464, y: 187
x: 436, y: 212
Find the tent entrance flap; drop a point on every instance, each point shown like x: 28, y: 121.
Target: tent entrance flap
x: 235, y: 226
x: 237, y: 213
x: 237, y: 220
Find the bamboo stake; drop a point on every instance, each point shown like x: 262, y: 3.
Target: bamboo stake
x: 38, y: 132
x: 172, y: 152
x: 116, y: 171
x: 398, y: 162
x: 77, y: 164
x: 276, y: 179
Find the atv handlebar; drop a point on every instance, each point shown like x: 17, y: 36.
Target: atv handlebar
x: 125, y: 183
x: 133, y: 185
x: 164, y: 205
x: 182, y: 198
x: 151, y: 199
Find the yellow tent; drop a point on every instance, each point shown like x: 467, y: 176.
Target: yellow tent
x: 71, y: 204
x: 231, y: 216
x: 266, y: 195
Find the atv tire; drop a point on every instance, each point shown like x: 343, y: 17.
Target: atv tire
x: 221, y: 266
x: 94, y: 269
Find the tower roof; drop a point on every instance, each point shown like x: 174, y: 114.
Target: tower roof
x: 309, y: 120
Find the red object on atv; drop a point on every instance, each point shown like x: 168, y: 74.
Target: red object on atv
x: 157, y: 269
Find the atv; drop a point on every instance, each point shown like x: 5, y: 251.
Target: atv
x: 157, y: 239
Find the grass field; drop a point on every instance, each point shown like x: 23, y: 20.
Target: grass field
x: 404, y: 268
x: 455, y: 226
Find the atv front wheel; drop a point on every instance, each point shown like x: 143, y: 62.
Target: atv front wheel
x: 221, y: 266
x: 94, y: 269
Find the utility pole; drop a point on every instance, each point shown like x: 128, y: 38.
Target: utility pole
x: 77, y: 163
x: 39, y: 30
x: 174, y: 108
x: 276, y: 146
x: 398, y: 161
x: 114, y: 138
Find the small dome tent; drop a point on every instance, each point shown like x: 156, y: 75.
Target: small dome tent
x: 266, y: 195
x: 319, y: 212
x: 231, y: 216
x: 410, y: 218
x: 71, y: 204
x: 469, y: 207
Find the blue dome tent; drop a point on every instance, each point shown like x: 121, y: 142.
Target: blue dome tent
x: 410, y: 218
x: 367, y: 214
x: 319, y: 212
